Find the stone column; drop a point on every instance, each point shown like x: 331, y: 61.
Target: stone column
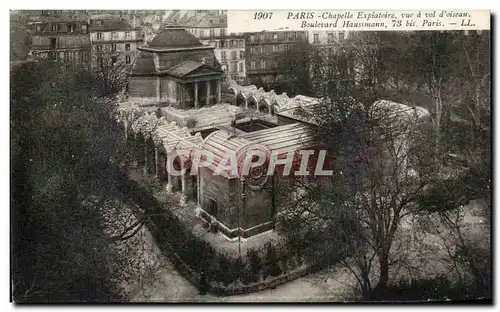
x: 219, y: 91
x: 208, y: 92
x: 145, y: 168
x: 183, y: 188
x: 168, y: 187
x: 158, y: 88
x: 157, y: 166
x: 195, y: 95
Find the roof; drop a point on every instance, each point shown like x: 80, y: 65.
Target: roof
x: 174, y: 38
x: 62, y: 27
x: 110, y: 25
x: 300, y: 108
x: 224, y: 145
x: 291, y: 137
x: 206, y: 116
x: 191, y: 67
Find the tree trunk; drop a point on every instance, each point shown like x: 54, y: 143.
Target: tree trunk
x: 384, y: 272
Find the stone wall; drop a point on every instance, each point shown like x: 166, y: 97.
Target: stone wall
x: 143, y: 87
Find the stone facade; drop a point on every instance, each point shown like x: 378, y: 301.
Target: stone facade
x: 65, y: 40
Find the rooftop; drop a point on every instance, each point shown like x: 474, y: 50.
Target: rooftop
x: 109, y: 24
x: 174, y: 38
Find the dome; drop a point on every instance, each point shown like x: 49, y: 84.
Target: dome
x: 174, y: 38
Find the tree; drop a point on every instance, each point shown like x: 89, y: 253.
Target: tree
x: 65, y: 153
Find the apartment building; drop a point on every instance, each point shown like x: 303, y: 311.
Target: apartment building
x: 65, y: 40
x: 114, y: 40
x: 263, y: 51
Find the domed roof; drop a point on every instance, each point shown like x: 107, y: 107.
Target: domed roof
x: 174, y: 38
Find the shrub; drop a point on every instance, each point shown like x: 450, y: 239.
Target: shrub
x: 272, y: 267
x: 255, y: 263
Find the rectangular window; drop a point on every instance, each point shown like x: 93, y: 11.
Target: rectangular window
x: 252, y: 50
x: 222, y: 43
x: 223, y: 55
x: 127, y: 35
x: 223, y: 32
x: 241, y: 67
x: 127, y: 46
x: 54, y: 28
x: 261, y: 49
x: 330, y: 38
x: 341, y: 36
x: 114, y: 35
x: 234, y: 56
x: 127, y: 59
x: 52, y: 43
x: 242, y: 54
x: 262, y: 37
x: 263, y: 64
x: 38, y: 28
x: 252, y: 38
x: 316, y: 38
x: 275, y: 48
x: 71, y: 28
x: 98, y: 23
x: 275, y: 36
x: 98, y: 48
x: 286, y: 36
x: 252, y: 64
x: 212, y: 32
x: 294, y: 36
x: 286, y: 47
x: 234, y: 67
x: 113, y: 48
x: 99, y: 36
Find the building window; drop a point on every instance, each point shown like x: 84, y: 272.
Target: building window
x: 275, y: 48
x: 98, y: 23
x: 98, y: 48
x: 223, y: 32
x: 330, y: 38
x: 38, y: 28
x: 113, y: 48
x: 54, y: 28
x: 262, y: 37
x: 234, y: 55
x: 223, y: 55
x: 263, y: 64
x: 316, y: 38
x: 114, y: 35
x: 52, y: 55
x: 99, y: 36
x: 241, y: 67
x: 234, y: 67
x: 286, y: 47
x: 252, y: 38
x: 261, y: 49
x: 212, y: 32
x: 294, y: 36
x: 71, y: 28
x: 252, y: 50
x: 127, y: 35
x: 52, y: 43
x: 84, y: 27
x: 275, y: 36
x: 275, y: 64
x: 286, y: 36
x: 341, y: 36
x: 222, y: 43
x: 242, y: 54
x: 252, y: 64
x: 127, y: 59
x: 127, y: 46
x: 202, y: 33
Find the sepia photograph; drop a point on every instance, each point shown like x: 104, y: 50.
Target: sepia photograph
x: 216, y: 156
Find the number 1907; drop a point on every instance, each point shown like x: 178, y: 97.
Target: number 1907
x: 262, y: 15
